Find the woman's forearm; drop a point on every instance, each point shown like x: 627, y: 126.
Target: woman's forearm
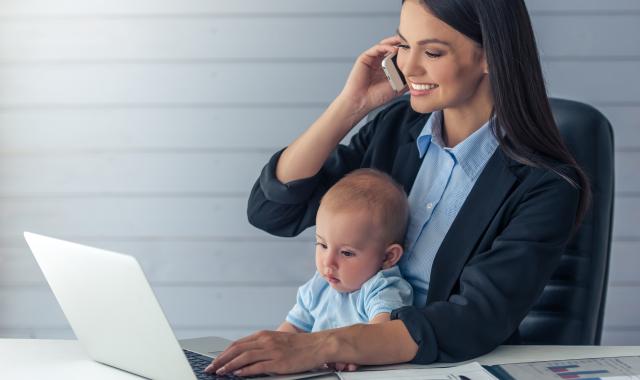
x: 306, y: 155
x: 368, y: 344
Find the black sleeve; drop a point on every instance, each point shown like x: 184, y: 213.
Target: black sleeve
x: 286, y: 209
x: 500, y: 285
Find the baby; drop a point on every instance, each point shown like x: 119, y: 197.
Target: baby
x: 360, y: 225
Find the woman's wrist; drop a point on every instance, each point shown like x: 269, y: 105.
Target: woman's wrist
x: 348, y: 110
x: 338, y: 345
x: 327, y: 345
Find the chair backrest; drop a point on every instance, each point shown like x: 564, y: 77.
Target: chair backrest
x: 571, y: 308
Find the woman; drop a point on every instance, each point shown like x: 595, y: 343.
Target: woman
x: 493, y: 191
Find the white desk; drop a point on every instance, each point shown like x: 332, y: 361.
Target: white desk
x: 65, y: 360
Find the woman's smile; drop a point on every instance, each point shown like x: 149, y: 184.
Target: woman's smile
x: 421, y: 89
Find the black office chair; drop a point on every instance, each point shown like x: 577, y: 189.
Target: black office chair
x: 571, y: 308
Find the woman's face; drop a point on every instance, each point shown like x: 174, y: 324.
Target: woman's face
x: 443, y: 67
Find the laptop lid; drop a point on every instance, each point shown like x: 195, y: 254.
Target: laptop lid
x: 111, y: 308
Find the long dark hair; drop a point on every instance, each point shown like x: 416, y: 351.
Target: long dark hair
x: 524, y: 124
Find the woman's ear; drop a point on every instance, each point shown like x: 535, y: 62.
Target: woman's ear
x: 392, y: 255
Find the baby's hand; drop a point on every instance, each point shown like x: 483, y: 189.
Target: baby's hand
x: 348, y: 367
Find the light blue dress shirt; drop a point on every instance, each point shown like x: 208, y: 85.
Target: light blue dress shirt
x: 444, y: 180
x: 320, y: 307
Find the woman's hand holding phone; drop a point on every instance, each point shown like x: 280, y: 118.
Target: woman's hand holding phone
x: 367, y: 86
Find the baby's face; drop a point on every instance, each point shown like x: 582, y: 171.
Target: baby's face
x: 348, y: 251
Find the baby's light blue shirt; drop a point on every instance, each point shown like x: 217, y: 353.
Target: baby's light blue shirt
x: 320, y: 307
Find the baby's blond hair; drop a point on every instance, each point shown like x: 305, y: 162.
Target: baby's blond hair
x: 375, y: 192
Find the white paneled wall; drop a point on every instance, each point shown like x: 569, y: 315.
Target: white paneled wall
x: 140, y: 126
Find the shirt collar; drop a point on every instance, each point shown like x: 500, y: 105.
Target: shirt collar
x: 472, y: 153
x: 434, y: 122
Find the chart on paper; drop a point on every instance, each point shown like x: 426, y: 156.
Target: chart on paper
x: 620, y: 368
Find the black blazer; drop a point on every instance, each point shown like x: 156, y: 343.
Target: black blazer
x: 494, y: 261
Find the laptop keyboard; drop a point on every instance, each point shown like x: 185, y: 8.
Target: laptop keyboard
x: 199, y: 363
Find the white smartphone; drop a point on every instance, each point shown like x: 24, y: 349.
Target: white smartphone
x: 394, y: 75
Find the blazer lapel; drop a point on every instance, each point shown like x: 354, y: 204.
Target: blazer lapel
x: 407, y: 161
x: 406, y: 165
x: 483, y: 201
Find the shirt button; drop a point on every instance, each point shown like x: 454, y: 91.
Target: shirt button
x: 429, y: 206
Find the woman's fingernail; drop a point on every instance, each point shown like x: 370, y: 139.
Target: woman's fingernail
x: 237, y: 372
x: 208, y: 368
x: 220, y: 371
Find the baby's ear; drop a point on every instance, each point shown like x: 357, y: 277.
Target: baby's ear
x: 392, y: 255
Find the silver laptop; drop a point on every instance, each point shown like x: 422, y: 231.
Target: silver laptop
x: 115, y: 315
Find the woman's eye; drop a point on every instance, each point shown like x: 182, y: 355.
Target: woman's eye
x: 348, y: 254
x: 403, y: 47
x: 324, y: 246
x: 432, y: 54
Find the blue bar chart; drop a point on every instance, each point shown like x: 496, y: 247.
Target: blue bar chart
x: 576, y: 372
x: 617, y: 368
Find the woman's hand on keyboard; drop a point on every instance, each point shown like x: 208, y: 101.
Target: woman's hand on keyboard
x: 270, y: 352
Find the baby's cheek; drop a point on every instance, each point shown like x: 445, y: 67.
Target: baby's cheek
x: 362, y: 276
